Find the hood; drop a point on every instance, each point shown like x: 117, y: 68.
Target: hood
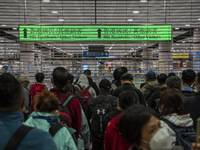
x: 152, y: 86
x: 180, y: 120
x: 113, y: 123
x: 83, y: 79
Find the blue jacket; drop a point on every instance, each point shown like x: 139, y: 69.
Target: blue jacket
x: 34, y: 140
x: 62, y: 138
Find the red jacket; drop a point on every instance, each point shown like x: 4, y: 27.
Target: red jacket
x: 74, y: 108
x: 112, y: 139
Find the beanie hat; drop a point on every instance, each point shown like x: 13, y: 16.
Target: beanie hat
x: 150, y: 75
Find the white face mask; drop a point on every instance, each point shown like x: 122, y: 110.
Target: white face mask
x: 160, y: 141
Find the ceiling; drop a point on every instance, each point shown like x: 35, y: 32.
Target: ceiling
x: 182, y: 14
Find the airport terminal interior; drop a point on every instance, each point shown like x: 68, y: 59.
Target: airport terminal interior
x: 100, y: 35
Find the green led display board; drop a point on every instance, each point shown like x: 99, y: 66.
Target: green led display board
x: 97, y: 33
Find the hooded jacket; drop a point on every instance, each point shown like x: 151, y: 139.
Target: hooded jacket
x: 112, y: 138
x: 149, y: 88
x: 178, y: 120
x: 62, y: 138
x: 84, y: 83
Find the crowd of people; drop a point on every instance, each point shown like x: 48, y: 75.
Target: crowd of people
x: 115, y: 115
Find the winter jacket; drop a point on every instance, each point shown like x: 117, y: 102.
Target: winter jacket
x: 155, y: 96
x: 74, y: 108
x: 178, y: 120
x: 84, y: 83
x: 108, y: 117
x: 34, y: 140
x: 62, y: 138
x: 128, y: 86
x: 112, y: 138
x: 192, y: 105
x: 149, y: 88
x: 84, y: 136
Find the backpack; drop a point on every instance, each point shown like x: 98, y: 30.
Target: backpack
x: 55, y: 127
x: 34, y: 90
x: 85, y: 95
x: 185, y: 136
x: 64, y: 114
x: 103, y: 107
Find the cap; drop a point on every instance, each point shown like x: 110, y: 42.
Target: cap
x: 24, y: 79
x: 150, y: 75
x: 105, y: 84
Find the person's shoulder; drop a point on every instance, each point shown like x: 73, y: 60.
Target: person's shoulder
x: 42, y: 140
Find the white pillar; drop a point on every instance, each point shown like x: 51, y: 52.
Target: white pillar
x: 27, y: 60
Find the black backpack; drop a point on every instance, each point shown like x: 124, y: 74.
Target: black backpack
x: 103, y: 107
x: 185, y: 136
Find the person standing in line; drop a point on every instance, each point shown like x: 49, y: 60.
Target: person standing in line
x: 46, y: 118
x: 11, y: 119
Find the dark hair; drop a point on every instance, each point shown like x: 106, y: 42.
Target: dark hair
x: 132, y: 121
x: 150, y: 76
x: 171, y: 74
x: 162, y: 78
x: 71, y: 78
x: 11, y: 93
x: 174, y: 82
x: 188, y: 76
x: 105, y: 85
x: 118, y: 72
x: 60, y: 77
x: 87, y: 72
x: 128, y: 98
x: 46, y: 102
x: 39, y: 77
x: 127, y: 76
x: 172, y: 101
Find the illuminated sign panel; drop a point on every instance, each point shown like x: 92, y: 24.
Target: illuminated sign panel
x: 28, y: 33
x: 180, y: 55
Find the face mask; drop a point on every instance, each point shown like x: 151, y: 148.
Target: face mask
x: 160, y: 141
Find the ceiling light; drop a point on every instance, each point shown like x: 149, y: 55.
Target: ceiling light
x: 3, y: 25
x: 199, y: 19
x: 177, y: 44
x: 60, y: 19
x: 130, y: 20
x: 187, y: 25
x: 177, y: 28
x: 46, y: 1
x: 14, y: 28
x: 143, y: 1
x: 54, y: 12
x: 183, y: 41
x: 136, y: 12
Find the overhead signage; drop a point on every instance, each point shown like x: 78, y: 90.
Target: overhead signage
x: 97, y: 33
x: 89, y: 54
x: 180, y: 55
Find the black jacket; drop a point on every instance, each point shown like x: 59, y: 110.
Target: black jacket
x: 155, y: 95
x: 192, y: 106
x: 128, y: 86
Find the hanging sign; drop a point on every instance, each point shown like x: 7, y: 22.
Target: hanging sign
x: 96, y: 33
